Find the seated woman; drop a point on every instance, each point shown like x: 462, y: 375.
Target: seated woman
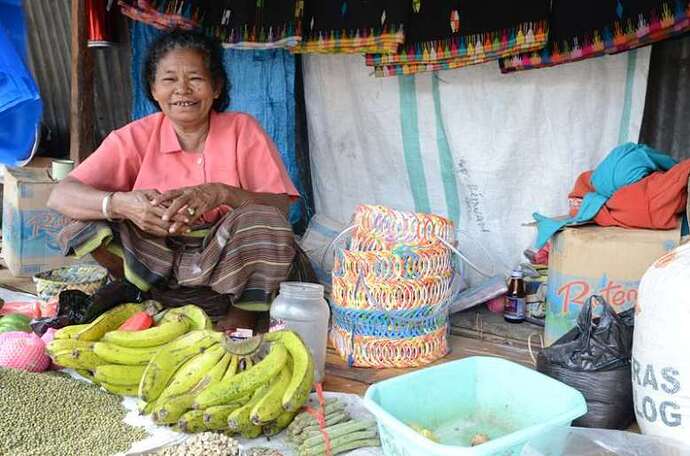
x: 188, y: 204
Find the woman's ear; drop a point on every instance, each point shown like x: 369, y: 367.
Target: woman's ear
x: 218, y: 88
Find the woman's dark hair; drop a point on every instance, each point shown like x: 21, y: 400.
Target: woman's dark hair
x: 186, y: 39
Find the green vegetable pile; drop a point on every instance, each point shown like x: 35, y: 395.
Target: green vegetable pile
x: 51, y: 414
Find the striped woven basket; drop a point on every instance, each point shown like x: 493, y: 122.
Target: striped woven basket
x: 86, y: 278
x: 392, y: 288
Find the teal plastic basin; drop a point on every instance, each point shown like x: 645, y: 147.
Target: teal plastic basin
x: 509, y: 403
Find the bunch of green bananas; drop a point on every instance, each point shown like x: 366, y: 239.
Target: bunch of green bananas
x: 117, y: 359
x: 229, y: 387
x: 187, y: 375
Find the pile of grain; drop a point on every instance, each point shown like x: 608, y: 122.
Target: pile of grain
x: 52, y: 414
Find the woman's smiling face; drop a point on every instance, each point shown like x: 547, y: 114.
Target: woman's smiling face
x: 183, y: 87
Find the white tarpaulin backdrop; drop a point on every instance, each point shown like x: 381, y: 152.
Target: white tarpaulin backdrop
x: 482, y: 148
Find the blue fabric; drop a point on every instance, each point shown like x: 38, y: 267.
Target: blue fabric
x: 20, y: 101
x: 262, y: 83
x: 12, y: 19
x: 624, y: 165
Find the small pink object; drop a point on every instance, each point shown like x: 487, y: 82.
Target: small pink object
x: 497, y: 304
x: 48, y: 336
x: 25, y: 351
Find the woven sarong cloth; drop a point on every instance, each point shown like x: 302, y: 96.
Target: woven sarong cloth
x: 245, y: 255
x: 265, y: 24
x: 347, y: 26
x: 453, y: 34
x: 591, y: 28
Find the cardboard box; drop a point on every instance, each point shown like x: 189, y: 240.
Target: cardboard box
x: 29, y: 228
x: 608, y: 261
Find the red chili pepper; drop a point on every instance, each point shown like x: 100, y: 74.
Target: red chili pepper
x: 137, y: 322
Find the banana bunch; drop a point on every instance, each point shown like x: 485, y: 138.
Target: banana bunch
x: 203, y: 381
x: 115, y: 359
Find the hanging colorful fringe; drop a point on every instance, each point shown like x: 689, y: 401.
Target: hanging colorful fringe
x: 591, y: 28
x: 261, y: 24
x: 391, y: 289
x: 352, y: 26
x: 453, y: 34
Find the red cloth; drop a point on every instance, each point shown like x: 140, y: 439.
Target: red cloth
x: 653, y: 202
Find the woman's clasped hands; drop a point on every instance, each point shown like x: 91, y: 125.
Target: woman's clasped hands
x: 173, y: 212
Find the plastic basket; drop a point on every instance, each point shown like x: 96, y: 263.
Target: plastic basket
x: 86, y: 278
x: 391, y: 289
x: 379, y: 227
x: 456, y: 400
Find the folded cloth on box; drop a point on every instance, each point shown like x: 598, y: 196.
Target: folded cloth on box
x: 624, y: 165
x: 653, y: 202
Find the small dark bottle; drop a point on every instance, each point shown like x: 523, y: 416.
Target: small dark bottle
x: 515, y: 311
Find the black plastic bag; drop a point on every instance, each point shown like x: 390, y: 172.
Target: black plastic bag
x: 595, y: 343
x: 594, y: 358
x: 76, y: 307
x: 72, y: 306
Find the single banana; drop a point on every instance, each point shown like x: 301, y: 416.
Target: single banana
x: 145, y: 408
x: 192, y: 421
x: 238, y: 420
x: 69, y: 332
x: 270, y: 407
x: 168, y: 411
x: 128, y: 390
x: 152, y: 337
x: 108, y: 321
x: 86, y: 374
x: 58, y: 345
x: 280, y: 423
x: 216, y: 417
x: 302, y: 380
x: 117, y: 374
x: 115, y: 354
x: 199, y: 318
x: 251, y: 432
x: 192, y: 371
x: 78, y: 358
x: 162, y: 367
x: 228, y: 390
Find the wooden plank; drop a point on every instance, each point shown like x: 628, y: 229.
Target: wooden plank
x: 81, y: 96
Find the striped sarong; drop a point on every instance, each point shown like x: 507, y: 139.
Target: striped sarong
x: 244, y: 257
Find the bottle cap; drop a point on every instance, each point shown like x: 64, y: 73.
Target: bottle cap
x: 516, y: 273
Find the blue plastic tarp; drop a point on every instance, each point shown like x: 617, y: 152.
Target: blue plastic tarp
x: 20, y: 101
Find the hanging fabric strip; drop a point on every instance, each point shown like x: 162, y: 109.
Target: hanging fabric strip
x: 453, y: 34
x: 590, y: 28
x: 248, y: 24
x: 352, y: 26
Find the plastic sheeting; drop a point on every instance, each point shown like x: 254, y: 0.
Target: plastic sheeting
x: 481, y: 148
x: 599, y: 442
x: 20, y: 101
x: 262, y: 83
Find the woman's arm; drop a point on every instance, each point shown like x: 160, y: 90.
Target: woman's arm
x: 79, y: 201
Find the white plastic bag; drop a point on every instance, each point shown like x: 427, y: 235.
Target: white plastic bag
x: 600, y: 442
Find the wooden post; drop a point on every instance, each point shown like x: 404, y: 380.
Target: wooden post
x: 81, y: 97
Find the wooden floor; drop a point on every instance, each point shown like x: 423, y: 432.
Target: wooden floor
x: 472, y: 335
x: 356, y: 380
